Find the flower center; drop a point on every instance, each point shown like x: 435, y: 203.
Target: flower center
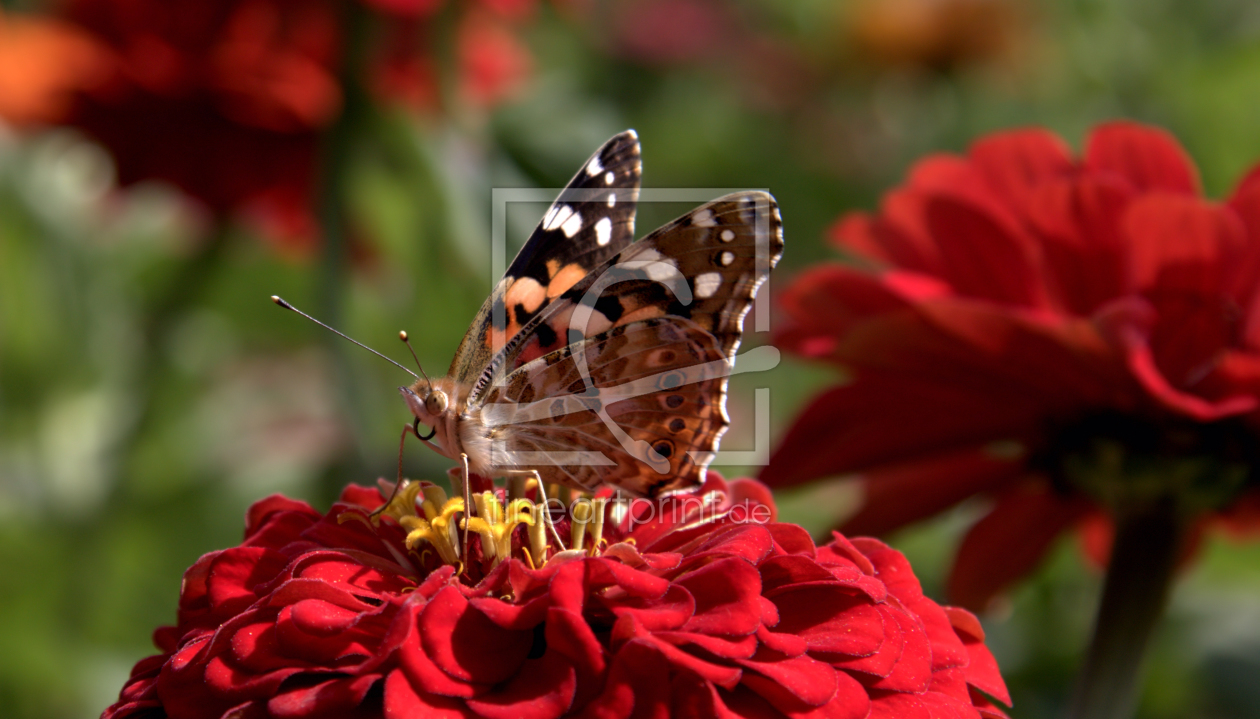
x: 1119, y: 459
x: 495, y: 523
x: 438, y: 523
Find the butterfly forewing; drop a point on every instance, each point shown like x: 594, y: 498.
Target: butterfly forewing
x: 591, y: 221
x: 705, y: 266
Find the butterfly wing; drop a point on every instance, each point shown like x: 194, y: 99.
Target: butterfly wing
x: 672, y: 306
x: 638, y: 407
x: 591, y: 221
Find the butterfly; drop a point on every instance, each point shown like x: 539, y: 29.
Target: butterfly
x: 601, y: 360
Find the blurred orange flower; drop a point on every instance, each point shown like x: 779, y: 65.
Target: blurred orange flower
x: 42, y: 63
x: 939, y: 34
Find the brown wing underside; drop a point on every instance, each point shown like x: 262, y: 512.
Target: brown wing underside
x: 644, y: 414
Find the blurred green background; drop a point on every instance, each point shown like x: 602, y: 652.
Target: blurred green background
x: 149, y: 392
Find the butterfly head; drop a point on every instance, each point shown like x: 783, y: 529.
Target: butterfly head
x: 428, y: 403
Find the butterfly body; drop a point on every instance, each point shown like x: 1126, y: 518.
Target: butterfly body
x: 601, y: 360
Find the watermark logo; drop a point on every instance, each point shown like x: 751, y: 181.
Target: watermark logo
x: 683, y: 510
x: 598, y: 399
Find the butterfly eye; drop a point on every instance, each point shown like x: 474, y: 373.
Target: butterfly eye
x: 435, y: 403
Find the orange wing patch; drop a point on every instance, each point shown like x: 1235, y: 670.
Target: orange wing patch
x: 561, y: 281
x: 527, y: 293
x: 647, y: 312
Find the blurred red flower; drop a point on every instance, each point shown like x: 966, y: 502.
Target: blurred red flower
x: 494, y: 62
x: 769, y: 70
x: 1040, y: 330
x: 695, y: 609
x: 227, y: 99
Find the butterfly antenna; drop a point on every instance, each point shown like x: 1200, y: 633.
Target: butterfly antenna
x: 402, y: 335
x: 288, y: 306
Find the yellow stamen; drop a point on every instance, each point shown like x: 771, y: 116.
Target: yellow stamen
x: 490, y: 514
x: 495, y: 523
x: 403, y: 503
x: 597, y: 523
x: 581, y: 514
x: 537, y: 544
x: 435, y: 494
x: 436, y: 527
x: 436, y: 497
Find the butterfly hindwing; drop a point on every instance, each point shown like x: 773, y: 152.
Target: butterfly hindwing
x: 591, y: 221
x: 638, y: 407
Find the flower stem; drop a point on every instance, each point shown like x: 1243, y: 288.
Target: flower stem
x: 1135, y: 592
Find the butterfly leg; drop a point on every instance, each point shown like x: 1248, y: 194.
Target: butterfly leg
x: 542, y: 494
x: 468, y: 506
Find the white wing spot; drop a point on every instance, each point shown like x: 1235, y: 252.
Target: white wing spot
x: 703, y: 218
x: 557, y: 216
x: 594, y: 167
x: 612, y: 199
x: 727, y: 258
x: 603, y: 231
x: 609, y: 177
x: 728, y: 235
x: 707, y: 284
x: 571, y: 225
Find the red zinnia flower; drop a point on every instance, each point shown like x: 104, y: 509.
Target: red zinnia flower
x: 1096, y: 310
x: 228, y: 99
x: 696, y: 608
